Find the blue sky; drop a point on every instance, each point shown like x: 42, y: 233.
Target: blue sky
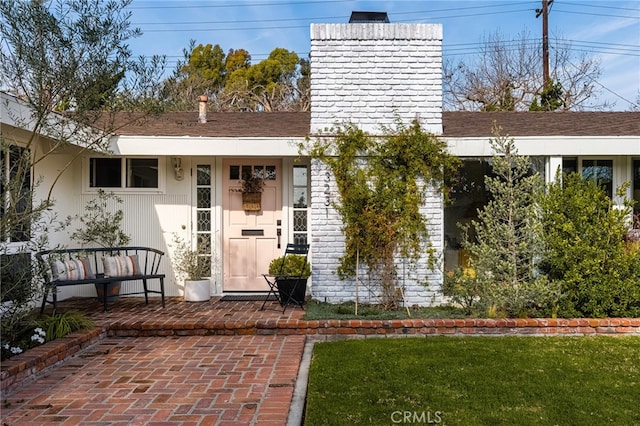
x: 608, y: 30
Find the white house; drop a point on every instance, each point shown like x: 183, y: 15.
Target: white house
x: 179, y: 173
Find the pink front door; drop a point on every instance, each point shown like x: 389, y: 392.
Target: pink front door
x: 251, y: 238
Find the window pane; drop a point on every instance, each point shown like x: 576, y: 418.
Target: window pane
x: 300, y: 175
x: 247, y: 172
x: 271, y: 173
x: 204, y: 198
x: 105, y: 172
x: 569, y: 165
x: 142, y: 173
x: 234, y: 172
x: 601, y: 171
x: 204, y: 175
x: 299, y: 220
x: 300, y: 198
x: 204, y: 220
x: 15, y: 276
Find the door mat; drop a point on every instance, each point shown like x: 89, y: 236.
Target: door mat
x: 247, y: 298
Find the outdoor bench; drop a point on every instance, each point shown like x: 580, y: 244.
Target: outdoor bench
x: 100, y: 266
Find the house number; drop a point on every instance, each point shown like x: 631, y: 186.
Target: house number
x: 327, y: 192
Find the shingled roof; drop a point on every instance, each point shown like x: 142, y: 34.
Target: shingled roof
x: 574, y: 123
x: 455, y: 124
x: 222, y: 124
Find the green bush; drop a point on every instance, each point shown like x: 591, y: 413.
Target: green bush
x: 292, y: 266
x: 598, y: 272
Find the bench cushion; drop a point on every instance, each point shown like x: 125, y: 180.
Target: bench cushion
x: 121, y: 266
x: 72, y: 269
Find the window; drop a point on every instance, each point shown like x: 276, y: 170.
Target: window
x: 300, y: 204
x: 123, y: 173
x: 470, y: 194
x: 15, y: 184
x: 600, y: 171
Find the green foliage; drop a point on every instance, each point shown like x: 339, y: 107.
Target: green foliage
x: 293, y: 265
x: 383, y: 182
x: 586, y: 253
x: 508, y: 239
x: 59, y: 325
x: 475, y: 381
x: 100, y: 225
x: 463, y: 289
x: 190, y: 264
x: 550, y: 99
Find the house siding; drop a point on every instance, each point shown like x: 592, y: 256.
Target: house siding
x: 372, y: 75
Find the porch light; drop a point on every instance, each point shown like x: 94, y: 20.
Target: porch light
x: 177, y: 168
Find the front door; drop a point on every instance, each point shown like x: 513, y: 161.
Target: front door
x: 252, y: 237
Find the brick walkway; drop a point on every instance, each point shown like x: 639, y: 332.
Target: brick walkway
x: 191, y: 380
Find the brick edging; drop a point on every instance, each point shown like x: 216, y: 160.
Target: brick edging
x: 27, y: 365
x: 468, y: 326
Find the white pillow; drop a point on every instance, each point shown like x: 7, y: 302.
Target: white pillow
x: 121, y: 266
x: 72, y: 269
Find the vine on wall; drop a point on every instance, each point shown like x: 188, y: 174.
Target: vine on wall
x: 383, y: 181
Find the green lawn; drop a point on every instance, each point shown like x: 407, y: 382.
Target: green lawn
x: 476, y: 381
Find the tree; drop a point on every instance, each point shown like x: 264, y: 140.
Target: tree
x: 507, y: 76
x: 232, y: 83
x: 68, y: 65
x: 507, y: 243
x: 269, y: 85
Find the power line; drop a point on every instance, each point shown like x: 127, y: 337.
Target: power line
x: 208, y: 6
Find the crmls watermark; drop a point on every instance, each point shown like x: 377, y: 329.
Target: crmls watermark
x: 418, y: 417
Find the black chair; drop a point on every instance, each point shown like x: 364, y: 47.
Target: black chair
x: 288, y: 289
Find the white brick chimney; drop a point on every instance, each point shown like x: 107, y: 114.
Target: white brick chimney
x: 369, y: 73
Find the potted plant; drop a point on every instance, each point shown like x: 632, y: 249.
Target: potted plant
x: 252, y: 188
x: 291, y: 277
x: 192, y: 268
x: 102, y: 227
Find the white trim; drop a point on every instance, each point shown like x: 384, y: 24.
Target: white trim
x: 550, y: 146
x: 206, y: 146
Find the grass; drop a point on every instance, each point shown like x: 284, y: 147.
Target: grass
x: 316, y: 311
x: 476, y: 381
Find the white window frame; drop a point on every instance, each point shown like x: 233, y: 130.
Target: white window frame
x: 123, y: 189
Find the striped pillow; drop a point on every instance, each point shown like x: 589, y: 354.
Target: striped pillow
x: 121, y: 266
x: 72, y: 269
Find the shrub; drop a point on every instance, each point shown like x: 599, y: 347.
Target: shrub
x: 599, y: 273
x: 292, y: 266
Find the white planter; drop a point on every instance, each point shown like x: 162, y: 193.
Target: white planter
x: 197, y: 291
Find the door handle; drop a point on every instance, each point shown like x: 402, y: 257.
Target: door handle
x: 279, y: 233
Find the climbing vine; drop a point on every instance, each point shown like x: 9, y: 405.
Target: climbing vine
x: 383, y: 181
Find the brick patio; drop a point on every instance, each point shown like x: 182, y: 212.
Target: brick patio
x: 206, y: 363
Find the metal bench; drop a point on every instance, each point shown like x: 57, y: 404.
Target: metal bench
x: 100, y: 266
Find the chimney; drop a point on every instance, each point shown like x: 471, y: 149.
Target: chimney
x: 202, y: 109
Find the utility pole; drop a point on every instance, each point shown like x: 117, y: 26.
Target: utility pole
x: 544, y: 12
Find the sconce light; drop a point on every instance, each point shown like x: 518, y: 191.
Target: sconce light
x: 177, y: 167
